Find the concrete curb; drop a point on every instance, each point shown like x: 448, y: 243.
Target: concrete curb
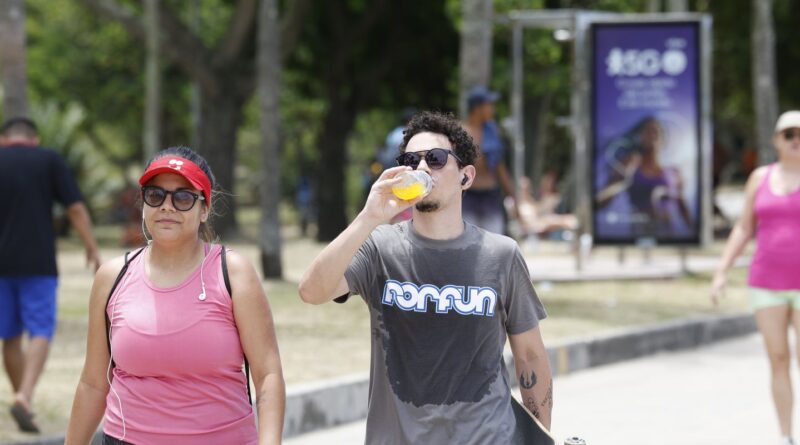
x: 577, y: 354
x: 328, y: 403
x: 325, y: 404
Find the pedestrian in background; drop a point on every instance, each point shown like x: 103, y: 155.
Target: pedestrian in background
x: 772, y: 214
x: 32, y: 179
x: 483, y: 201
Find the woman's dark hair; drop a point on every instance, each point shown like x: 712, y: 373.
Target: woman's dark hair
x: 629, y: 142
x: 446, y: 125
x: 205, y: 231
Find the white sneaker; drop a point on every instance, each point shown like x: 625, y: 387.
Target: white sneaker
x: 787, y: 441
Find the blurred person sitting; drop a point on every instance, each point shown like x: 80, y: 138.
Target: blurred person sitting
x: 539, y: 216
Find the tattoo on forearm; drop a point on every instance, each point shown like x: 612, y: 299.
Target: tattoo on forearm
x: 530, y: 403
x: 527, y: 383
x: 548, y: 398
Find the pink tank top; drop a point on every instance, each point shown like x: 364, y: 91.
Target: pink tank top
x: 776, y: 262
x: 178, y: 360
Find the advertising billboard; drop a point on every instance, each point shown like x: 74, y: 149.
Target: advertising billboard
x: 646, y: 132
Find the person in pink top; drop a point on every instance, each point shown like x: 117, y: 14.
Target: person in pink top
x: 772, y: 214
x: 170, y: 326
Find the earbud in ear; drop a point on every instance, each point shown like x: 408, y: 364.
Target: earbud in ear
x: 464, y: 181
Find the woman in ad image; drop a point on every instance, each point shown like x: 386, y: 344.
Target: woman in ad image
x: 637, y: 179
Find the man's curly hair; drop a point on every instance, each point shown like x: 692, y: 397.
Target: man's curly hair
x: 446, y: 125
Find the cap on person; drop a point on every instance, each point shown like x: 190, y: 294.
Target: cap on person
x: 789, y: 119
x: 480, y: 95
x: 179, y: 166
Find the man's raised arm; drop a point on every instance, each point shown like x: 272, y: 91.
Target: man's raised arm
x: 324, y: 280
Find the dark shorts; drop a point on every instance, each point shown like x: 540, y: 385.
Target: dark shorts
x: 111, y: 440
x: 28, y: 304
x: 484, y: 208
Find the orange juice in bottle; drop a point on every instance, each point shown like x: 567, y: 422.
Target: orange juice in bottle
x: 414, y: 183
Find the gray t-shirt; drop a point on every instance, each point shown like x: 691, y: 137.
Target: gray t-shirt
x: 440, y: 311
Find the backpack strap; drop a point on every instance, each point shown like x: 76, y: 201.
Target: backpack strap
x: 111, y: 292
x: 226, y: 278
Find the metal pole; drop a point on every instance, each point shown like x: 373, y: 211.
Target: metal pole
x: 580, y: 123
x: 706, y: 150
x: 516, y: 103
x: 683, y: 254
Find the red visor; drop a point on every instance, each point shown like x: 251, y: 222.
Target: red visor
x: 180, y: 166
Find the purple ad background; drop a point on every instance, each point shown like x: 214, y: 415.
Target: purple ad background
x: 678, y: 116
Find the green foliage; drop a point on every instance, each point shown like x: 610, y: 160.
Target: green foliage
x: 405, y: 54
x: 74, y: 57
x: 60, y: 130
x: 374, y: 57
x: 369, y: 136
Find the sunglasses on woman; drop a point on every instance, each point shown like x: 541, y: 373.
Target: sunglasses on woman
x: 436, y: 158
x: 790, y: 134
x: 182, y: 200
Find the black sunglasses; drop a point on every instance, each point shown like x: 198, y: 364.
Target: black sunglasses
x: 182, y: 200
x: 436, y: 158
x: 790, y: 134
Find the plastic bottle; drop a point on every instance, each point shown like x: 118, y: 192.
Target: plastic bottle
x: 413, y: 184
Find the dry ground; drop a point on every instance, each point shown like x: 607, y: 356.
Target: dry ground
x: 317, y: 342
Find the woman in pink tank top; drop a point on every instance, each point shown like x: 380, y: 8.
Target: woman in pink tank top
x: 772, y: 214
x: 170, y: 369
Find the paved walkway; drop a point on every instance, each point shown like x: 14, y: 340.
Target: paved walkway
x: 717, y: 394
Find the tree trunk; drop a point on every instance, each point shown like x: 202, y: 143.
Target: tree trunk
x: 194, y: 89
x: 765, y: 91
x: 12, y: 58
x: 678, y: 5
x: 221, y: 114
x: 475, y: 56
x: 339, y: 120
x: 269, y: 81
x: 152, y: 107
x: 537, y: 109
x: 653, y: 5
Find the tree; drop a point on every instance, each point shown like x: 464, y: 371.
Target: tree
x: 152, y: 110
x: 361, y: 55
x: 678, y: 5
x: 475, y: 54
x: 12, y: 58
x: 224, y: 72
x: 765, y: 92
x: 269, y: 81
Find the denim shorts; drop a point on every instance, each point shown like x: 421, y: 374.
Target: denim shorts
x: 761, y: 298
x: 28, y: 303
